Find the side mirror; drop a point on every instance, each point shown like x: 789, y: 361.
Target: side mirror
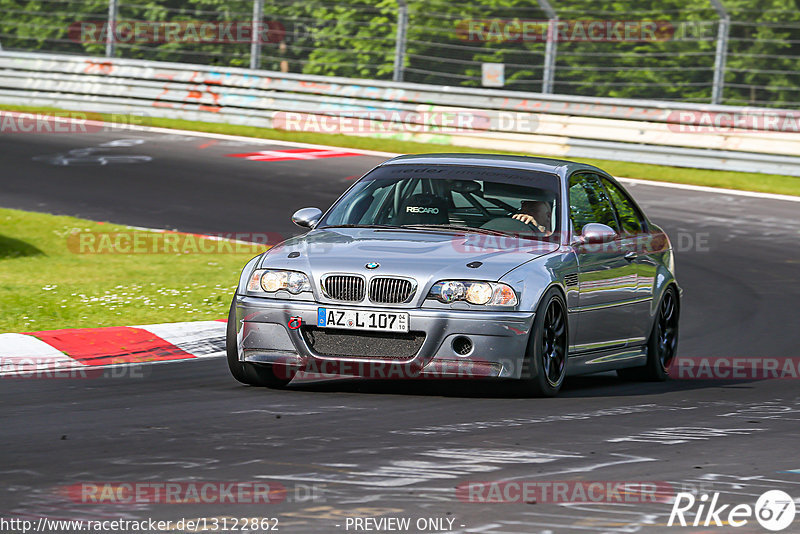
x: 596, y: 233
x: 308, y: 217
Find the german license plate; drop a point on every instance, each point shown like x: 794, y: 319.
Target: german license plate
x: 362, y: 320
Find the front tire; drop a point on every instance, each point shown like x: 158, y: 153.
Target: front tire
x: 265, y: 375
x: 545, y: 364
x: 262, y: 375
x: 662, y: 346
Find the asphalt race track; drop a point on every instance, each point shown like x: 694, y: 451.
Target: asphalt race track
x: 359, y: 448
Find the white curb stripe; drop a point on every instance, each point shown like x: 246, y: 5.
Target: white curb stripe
x: 20, y: 353
x: 202, y: 339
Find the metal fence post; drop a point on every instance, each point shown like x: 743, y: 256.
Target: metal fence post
x: 721, y: 55
x: 400, y: 40
x: 111, y: 34
x: 255, y: 40
x: 550, y: 47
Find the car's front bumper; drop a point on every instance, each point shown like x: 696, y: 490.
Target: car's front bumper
x: 499, y: 340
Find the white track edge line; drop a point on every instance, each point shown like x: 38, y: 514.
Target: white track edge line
x: 715, y: 190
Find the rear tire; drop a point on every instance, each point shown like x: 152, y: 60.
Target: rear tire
x: 545, y: 364
x: 263, y: 375
x: 662, y: 346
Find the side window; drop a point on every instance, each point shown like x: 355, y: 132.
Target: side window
x: 588, y: 203
x: 629, y: 217
x: 580, y: 211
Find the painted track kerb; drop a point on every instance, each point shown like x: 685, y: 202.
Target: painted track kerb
x: 39, y: 354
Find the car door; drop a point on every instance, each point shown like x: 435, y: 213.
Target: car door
x: 606, y: 279
x: 638, y: 251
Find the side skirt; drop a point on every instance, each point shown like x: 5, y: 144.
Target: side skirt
x: 607, y: 360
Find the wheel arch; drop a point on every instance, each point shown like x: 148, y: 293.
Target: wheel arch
x: 562, y: 293
x: 664, y: 279
x: 530, y: 371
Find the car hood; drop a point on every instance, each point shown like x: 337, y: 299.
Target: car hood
x: 425, y: 255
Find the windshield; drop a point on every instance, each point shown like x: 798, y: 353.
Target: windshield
x: 453, y: 197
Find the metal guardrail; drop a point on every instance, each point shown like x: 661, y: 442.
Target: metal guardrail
x: 656, y: 132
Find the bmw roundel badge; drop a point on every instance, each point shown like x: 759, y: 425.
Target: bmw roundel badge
x: 372, y: 265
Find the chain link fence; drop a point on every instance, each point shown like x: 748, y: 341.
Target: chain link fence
x: 739, y: 52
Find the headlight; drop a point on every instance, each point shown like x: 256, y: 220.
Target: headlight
x: 481, y: 293
x: 270, y: 281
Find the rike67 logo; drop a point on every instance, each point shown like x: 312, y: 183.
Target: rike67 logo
x: 774, y: 510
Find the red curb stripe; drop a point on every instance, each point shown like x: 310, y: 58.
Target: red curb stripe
x: 110, y: 345
x: 293, y: 154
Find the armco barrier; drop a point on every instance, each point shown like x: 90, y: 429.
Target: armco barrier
x: 666, y: 133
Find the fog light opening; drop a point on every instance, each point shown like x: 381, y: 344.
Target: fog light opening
x: 462, y: 346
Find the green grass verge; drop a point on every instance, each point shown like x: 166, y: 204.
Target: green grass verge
x: 48, y: 280
x: 768, y: 183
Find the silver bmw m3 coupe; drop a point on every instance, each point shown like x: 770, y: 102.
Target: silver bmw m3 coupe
x: 463, y: 266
